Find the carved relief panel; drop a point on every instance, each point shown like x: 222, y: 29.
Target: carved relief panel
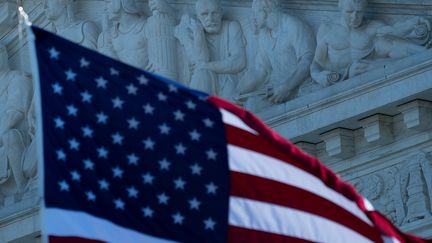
x: 16, y: 167
x: 402, y: 192
x: 258, y: 57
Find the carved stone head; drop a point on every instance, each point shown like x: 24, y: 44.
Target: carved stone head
x: 262, y: 9
x: 209, y: 13
x: 116, y: 7
x: 352, y: 12
x: 159, y: 6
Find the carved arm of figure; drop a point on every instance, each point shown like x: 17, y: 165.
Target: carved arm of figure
x: 417, y: 29
x: 191, y: 35
x: 90, y: 32
x: 282, y: 92
x: 199, y: 50
x: 318, y: 72
x: 324, y: 77
x: 252, y: 80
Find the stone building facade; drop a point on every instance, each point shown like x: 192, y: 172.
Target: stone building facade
x: 347, y: 81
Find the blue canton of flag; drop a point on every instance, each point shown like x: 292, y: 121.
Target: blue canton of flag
x: 122, y: 146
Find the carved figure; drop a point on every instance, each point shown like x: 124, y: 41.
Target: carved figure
x: 62, y: 16
x: 123, y: 34
x: 192, y: 37
x: 285, y: 52
x: 416, y: 190
x: 353, y: 45
x: 162, y: 45
x: 384, y: 191
x: 217, y: 54
x: 15, y: 96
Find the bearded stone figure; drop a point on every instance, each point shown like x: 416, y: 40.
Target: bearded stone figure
x: 62, y: 17
x: 215, y: 48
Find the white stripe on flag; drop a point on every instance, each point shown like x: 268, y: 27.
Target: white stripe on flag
x: 65, y: 223
x: 272, y: 218
x: 253, y: 163
x: 368, y: 205
x: 233, y: 120
x: 387, y: 239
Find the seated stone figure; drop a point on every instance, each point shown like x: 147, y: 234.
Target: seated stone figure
x: 15, y: 97
x: 192, y: 37
x: 215, y: 48
x: 62, y: 16
x: 285, y: 52
x: 354, y: 45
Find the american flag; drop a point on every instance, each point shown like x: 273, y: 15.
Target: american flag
x: 131, y: 157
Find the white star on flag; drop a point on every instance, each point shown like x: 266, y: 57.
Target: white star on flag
x: 70, y: 75
x: 163, y: 198
x: 64, y: 186
x: 57, y: 88
x: 54, y: 54
x: 101, y: 82
x: 84, y: 63
x: 194, y: 204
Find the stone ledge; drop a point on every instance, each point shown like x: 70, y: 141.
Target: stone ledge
x: 21, y: 224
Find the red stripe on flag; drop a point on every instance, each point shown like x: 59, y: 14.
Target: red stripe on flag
x: 244, y: 139
x: 260, y: 189
x: 236, y: 234
x: 59, y: 239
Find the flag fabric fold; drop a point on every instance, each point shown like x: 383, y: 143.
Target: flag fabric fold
x: 129, y: 156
